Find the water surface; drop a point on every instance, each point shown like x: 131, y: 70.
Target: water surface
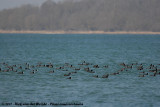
x: 125, y: 89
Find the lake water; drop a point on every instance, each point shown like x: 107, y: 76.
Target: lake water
x: 125, y: 88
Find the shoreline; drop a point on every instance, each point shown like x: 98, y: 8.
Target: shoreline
x: 76, y: 32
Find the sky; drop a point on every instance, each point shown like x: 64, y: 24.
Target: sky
x: 5, y: 4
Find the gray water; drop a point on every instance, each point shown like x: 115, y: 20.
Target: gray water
x: 124, y: 89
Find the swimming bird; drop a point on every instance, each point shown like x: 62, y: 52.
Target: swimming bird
x: 20, y: 72
x: 95, y: 66
x: 67, y: 74
x: 51, y: 66
x: 122, y: 69
x: 73, y: 72
x: 20, y: 67
x: 77, y: 69
x: 66, y: 63
x: 32, y: 72
x: 96, y: 76
x: 123, y: 64
x: 90, y: 71
x: 140, y: 67
x: 145, y: 73
x: 14, y: 65
x: 106, y: 66
x: 141, y: 76
x: 65, y: 70
x: 142, y: 72
x: 105, y: 76
x: 51, y: 71
x: 69, y: 78
x: 47, y: 65
x: 115, y: 73
x: 60, y: 68
x: 71, y: 66
x: 129, y: 66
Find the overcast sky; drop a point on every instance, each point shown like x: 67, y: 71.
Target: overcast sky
x: 5, y: 4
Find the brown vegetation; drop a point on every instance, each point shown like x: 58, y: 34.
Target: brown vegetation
x: 84, y: 15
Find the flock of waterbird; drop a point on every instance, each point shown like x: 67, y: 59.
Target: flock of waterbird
x: 70, y: 69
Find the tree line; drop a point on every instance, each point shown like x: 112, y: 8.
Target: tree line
x: 84, y: 15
